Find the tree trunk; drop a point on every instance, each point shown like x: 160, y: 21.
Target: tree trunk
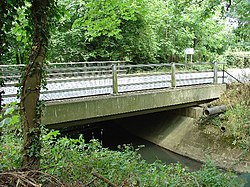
x: 2, y: 11
x: 31, y: 85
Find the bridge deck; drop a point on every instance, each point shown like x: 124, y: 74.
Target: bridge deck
x: 63, y: 113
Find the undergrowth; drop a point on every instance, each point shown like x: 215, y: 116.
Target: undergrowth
x: 236, y: 119
x: 74, y: 162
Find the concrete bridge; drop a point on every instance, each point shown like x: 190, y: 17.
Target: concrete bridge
x: 73, y: 112
x: 82, y: 93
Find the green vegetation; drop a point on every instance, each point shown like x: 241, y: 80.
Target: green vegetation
x: 74, y: 162
x: 236, y: 120
x: 237, y: 59
x: 143, y: 31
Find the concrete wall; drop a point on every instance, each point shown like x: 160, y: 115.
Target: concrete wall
x: 181, y: 134
x: 70, y: 112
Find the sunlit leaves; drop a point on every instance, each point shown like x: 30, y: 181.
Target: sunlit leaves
x: 143, y: 31
x: 105, y: 17
x: 10, y: 116
x: 104, y: 30
x: 17, y: 31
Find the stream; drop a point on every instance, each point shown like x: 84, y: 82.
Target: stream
x: 111, y: 135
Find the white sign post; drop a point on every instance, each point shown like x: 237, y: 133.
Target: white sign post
x: 189, y: 51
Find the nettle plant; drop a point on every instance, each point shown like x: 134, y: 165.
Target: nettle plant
x: 10, y: 138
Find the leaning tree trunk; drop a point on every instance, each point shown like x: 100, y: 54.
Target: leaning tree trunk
x: 31, y: 85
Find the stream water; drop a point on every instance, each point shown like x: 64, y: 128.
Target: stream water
x: 111, y: 135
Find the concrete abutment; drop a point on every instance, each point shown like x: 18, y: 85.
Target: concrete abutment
x: 178, y: 132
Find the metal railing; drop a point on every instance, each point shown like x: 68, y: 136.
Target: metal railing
x: 79, y: 79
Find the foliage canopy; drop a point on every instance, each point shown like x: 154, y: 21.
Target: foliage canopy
x: 143, y: 31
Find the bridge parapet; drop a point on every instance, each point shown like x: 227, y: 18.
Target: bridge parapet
x: 79, y: 79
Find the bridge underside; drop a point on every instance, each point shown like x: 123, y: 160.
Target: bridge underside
x: 80, y: 111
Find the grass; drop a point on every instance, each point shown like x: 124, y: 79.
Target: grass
x: 236, y: 120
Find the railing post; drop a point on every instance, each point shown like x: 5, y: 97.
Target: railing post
x: 1, y: 97
x: 215, y: 73
x: 173, y: 80
x: 223, y: 76
x: 115, y: 82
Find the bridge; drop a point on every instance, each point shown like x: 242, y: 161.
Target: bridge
x: 87, y: 92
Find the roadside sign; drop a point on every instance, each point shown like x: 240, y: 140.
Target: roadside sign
x: 189, y: 51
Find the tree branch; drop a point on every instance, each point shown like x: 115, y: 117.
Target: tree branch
x: 104, y: 179
x: 229, y: 4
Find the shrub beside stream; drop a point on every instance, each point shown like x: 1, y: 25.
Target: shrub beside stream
x: 236, y: 120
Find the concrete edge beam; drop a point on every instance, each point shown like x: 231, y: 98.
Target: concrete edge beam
x: 58, y: 112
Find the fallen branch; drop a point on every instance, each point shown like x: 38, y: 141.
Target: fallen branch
x: 29, y: 178
x: 90, y: 182
x: 104, y: 179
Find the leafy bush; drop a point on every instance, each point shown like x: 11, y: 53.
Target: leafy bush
x: 74, y: 160
x: 237, y: 122
x: 10, y: 139
x: 209, y: 175
x: 237, y: 59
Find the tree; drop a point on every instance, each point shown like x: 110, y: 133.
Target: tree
x: 19, y: 38
x: 103, y: 30
x: 8, y: 11
x: 143, y: 31
x: 38, y: 12
x: 31, y: 83
x: 238, y: 12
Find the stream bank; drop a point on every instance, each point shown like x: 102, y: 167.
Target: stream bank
x: 181, y: 134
